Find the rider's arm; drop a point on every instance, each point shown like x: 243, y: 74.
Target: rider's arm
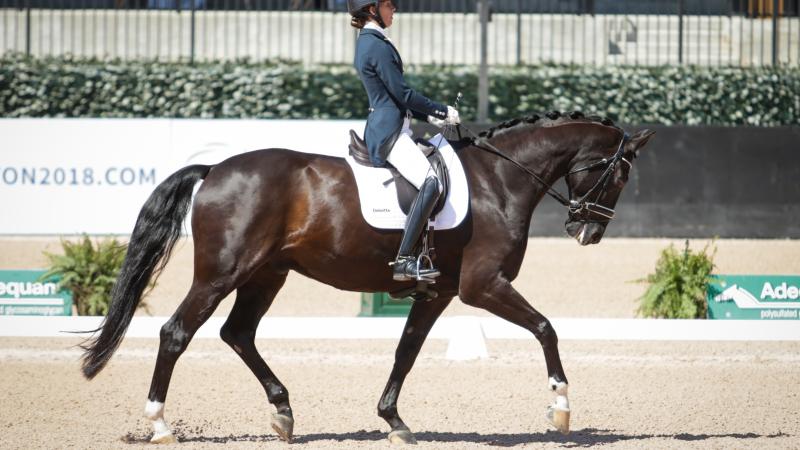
x: 419, y: 116
x: 392, y: 77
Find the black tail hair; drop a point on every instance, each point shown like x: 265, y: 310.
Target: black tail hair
x: 157, y: 229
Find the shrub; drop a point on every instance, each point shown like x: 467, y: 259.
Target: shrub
x: 71, y: 87
x: 678, y: 287
x: 88, y: 271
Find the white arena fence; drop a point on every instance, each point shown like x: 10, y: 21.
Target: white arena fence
x: 466, y: 335
x: 447, y: 32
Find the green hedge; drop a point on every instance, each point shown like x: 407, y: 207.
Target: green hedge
x: 65, y: 87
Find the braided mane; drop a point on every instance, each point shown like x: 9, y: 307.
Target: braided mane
x: 548, y: 119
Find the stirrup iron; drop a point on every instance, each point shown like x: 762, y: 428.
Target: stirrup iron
x: 430, y: 277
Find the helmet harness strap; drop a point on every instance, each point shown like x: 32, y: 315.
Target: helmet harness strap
x: 377, y: 16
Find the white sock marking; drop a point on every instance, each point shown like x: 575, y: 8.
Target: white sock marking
x: 155, y: 412
x: 560, y: 389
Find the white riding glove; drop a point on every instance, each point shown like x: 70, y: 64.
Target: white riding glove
x: 452, y: 116
x: 451, y: 119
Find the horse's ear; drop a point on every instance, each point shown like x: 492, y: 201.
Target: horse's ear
x: 640, y: 139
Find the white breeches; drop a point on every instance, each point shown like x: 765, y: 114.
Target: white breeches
x: 408, y: 159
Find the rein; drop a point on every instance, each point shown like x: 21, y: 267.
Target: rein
x: 574, y: 206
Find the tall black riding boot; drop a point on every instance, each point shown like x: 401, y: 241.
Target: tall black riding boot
x: 405, y: 266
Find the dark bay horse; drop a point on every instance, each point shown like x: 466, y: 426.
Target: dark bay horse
x: 259, y: 215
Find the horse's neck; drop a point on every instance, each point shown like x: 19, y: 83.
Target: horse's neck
x: 547, y: 156
x: 544, y: 157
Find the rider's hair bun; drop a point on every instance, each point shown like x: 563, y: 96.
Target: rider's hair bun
x: 360, y: 18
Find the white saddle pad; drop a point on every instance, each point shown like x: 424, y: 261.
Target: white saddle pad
x: 379, y: 203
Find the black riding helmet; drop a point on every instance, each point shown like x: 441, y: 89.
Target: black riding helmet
x: 356, y: 8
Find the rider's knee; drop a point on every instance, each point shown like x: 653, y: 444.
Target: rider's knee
x: 434, y: 180
x: 439, y: 184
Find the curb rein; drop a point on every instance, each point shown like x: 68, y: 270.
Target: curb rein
x: 575, y: 207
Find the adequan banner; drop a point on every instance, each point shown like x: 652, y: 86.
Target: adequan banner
x: 769, y: 297
x: 23, y: 293
x: 71, y: 176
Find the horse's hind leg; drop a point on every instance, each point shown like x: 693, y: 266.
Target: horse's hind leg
x: 196, y: 308
x: 252, y: 301
x: 496, y: 295
x: 420, y: 321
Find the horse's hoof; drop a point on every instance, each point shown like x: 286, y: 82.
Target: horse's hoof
x: 559, y: 418
x: 164, y: 438
x: 283, y: 425
x: 402, y: 436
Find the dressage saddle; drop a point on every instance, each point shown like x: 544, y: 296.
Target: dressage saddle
x: 406, y: 192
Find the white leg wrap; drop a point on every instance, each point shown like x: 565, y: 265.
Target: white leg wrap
x: 155, y: 412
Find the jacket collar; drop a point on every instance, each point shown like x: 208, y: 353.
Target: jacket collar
x: 374, y: 32
x: 376, y: 27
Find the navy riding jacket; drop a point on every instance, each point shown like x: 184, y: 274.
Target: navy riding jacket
x: 381, y: 70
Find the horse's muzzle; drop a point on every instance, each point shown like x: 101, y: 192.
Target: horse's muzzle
x: 585, y: 232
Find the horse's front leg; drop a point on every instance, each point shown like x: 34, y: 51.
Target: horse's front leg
x: 420, y: 321
x: 495, y: 294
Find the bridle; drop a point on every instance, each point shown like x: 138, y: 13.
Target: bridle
x: 583, y: 208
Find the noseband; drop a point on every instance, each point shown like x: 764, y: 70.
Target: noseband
x: 583, y: 206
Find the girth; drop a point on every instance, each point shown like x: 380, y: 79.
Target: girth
x: 406, y: 192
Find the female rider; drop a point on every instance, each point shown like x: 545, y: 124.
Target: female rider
x: 387, y: 134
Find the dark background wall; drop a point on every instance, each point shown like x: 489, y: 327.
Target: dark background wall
x: 692, y: 182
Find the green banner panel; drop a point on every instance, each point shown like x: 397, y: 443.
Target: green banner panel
x: 22, y: 293
x: 379, y: 304
x: 767, y: 297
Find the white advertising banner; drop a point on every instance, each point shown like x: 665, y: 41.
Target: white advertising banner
x: 71, y: 176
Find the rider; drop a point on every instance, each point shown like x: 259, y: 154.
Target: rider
x: 388, y: 133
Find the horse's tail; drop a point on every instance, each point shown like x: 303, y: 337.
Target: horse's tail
x: 157, y: 229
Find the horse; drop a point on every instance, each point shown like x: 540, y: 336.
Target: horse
x: 258, y: 215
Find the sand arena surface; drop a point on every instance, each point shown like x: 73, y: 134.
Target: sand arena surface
x: 623, y: 394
